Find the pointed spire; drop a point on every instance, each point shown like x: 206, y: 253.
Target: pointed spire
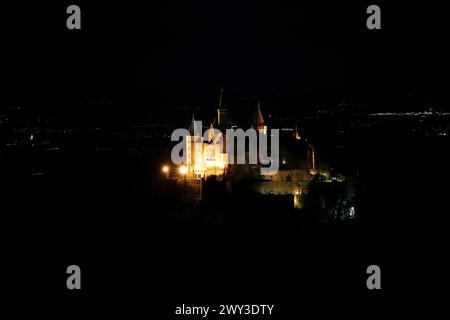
x: 192, y: 126
x: 297, y: 134
x: 221, y: 97
x: 259, y: 119
x: 211, y: 133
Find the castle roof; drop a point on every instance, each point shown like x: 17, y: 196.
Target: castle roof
x: 192, y: 125
x: 258, y: 118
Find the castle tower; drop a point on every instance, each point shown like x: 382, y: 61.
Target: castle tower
x: 258, y: 120
x: 194, y: 152
x: 192, y: 125
x: 297, y: 134
x: 223, y: 120
x: 211, y: 135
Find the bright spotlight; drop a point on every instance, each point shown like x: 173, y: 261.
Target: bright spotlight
x: 183, y: 170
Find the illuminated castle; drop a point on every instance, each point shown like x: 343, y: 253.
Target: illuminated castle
x: 208, y: 157
x: 205, y: 158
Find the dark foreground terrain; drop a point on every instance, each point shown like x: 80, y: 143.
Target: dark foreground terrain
x: 140, y: 252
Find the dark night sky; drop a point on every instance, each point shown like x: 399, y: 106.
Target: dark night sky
x: 178, y: 49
